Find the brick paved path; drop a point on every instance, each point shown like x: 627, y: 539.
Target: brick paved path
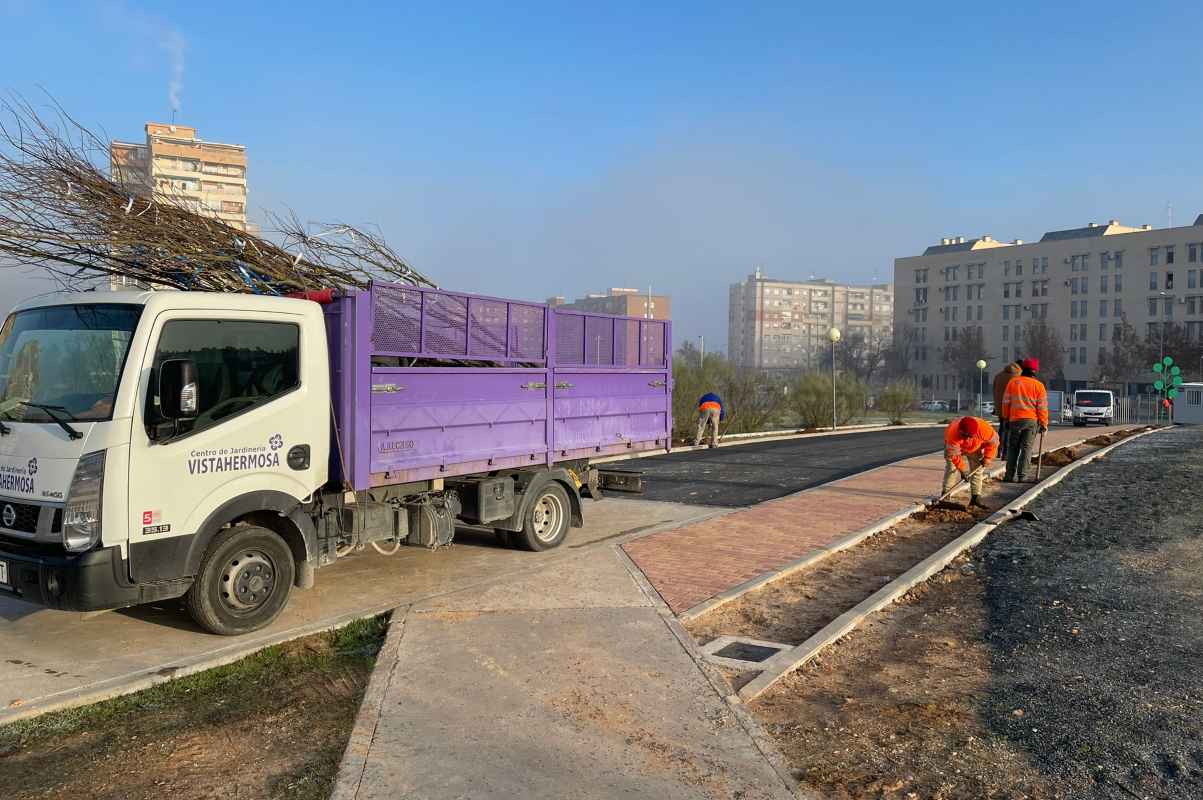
x: 692, y: 564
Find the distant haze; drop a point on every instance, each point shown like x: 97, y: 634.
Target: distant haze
x: 536, y: 149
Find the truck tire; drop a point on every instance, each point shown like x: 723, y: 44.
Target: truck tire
x: 546, y: 522
x: 243, y: 582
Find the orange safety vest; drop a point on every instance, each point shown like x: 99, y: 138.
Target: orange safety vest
x: 956, y: 446
x: 1025, y: 398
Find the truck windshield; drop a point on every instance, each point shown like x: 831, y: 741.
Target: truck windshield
x: 1096, y: 399
x: 66, y: 359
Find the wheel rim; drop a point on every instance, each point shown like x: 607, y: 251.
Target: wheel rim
x: 548, y: 513
x: 247, y: 581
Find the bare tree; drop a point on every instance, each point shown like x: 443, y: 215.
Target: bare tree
x: 901, y: 350
x: 60, y: 212
x: 1041, y: 341
x: 962, y: 356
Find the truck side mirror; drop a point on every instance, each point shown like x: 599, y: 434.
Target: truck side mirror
x: 179, y: 395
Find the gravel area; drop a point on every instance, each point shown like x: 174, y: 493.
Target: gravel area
x: 1061, y: 659
x: 1095, y: 625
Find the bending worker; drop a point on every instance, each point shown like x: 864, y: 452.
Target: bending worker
x: 1025, y: 410
x: 710, y: 411
x: 970, y: 444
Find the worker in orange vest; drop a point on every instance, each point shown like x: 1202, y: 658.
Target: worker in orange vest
x: 1025, y: 409
x: 970, y: 444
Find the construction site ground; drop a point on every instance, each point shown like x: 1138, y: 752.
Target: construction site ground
x: 1062, y: 658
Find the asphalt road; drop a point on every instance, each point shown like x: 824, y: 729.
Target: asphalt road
x: 752, y: 473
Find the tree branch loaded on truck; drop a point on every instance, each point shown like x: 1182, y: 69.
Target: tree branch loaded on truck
x: 222, y: 447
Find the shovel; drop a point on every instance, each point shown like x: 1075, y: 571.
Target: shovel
x: 1040, y: 457
x: 939, y: 501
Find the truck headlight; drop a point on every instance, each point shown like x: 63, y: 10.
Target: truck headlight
x: 81, y: 515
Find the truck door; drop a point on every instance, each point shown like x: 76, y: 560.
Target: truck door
x: 255, y: 408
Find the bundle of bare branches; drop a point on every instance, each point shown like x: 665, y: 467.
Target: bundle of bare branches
x: 61, y: 212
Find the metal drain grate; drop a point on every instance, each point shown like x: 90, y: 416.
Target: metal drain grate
x: 743, y: 651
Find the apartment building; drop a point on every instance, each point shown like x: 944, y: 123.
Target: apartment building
x: 206, y: 177
x: 621, y: 302
x: 1083, y: 282
x: 782, y: 325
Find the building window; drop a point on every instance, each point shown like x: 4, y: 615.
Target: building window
x: 1192, y: 253
x: 1152, y: 306
x: 1103, y: 283
x: 1006, y: 330
x: 1152, y: 281
x: 1103, y: 308
x: 1006, y: 312
x: 1169, y: 307
x: 1119, y: 308
x: 1007, y: 269
x: 1073, y: 333
x: 1044, y: 265
x: 1102, y: 332
x: 1190, y: 305
x: 1119, y: 283
x: 1169, y: 254
x: 1192, y: 276
x: 1073, y: 355
x: 1018, y: 268
x: 1082, y: 355
x: 1169, y: 280
x: 1103, y: 260
x: 1154, y: 256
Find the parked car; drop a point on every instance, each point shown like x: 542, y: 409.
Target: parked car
x: 933, y: 405
x: 1093, y: 405
x: 987, y: 407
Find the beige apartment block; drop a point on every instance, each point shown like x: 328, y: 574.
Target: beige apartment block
x: 782, y: 325
x: 621, y: 302
x: 207, y: 178
x: 1084, y: 282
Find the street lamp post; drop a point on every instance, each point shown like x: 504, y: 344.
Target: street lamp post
x: 834, y: 336
x: 702, y: 360
x: 981, y: 384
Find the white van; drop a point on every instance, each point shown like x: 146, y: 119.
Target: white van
x: 1093, y: 405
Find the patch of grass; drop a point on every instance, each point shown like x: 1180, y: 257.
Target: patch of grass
x: 218, y: 690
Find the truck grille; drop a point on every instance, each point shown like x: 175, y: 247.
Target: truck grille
x: 26, y: 516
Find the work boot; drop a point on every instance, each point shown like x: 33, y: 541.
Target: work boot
x: 976, y: 502
x: 713, y: 446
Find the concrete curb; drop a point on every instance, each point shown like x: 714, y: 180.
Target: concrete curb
x: 815, y: 556
x: 772, y: 436
x: 784, y: 663
x: 359, y: 744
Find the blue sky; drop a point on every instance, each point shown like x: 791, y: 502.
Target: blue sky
x: 537, y: 149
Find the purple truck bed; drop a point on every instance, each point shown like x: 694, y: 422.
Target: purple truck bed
x: 572, y: 385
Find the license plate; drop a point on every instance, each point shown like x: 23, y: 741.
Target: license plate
x: 4, y: 572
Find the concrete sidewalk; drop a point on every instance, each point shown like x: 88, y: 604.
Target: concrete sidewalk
x: 690, y: 565
x: 566, y: 682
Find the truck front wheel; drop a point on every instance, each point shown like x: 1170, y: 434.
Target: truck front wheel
x: 243, y: 583
x: 546, y: 522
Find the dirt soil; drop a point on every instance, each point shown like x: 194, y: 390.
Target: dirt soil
x: 1061, y: 659
x: 791, y: 610
x: 273, y: 725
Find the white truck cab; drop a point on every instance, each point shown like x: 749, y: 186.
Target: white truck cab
x: 1093, y: 405
x: 112, y: 495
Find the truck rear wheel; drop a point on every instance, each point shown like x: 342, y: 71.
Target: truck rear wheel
x: 243, y: 583
x: 546, y: 522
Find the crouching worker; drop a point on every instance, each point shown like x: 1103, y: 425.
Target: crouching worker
x: 970, y: 444
x: 710, y: 412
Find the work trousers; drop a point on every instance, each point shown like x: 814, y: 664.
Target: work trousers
x: 1021, y: 436
x: 952, y: 474
x: 707, y: 415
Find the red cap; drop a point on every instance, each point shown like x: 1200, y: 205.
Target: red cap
x: 1032, y: 363
x: 968, y: 426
